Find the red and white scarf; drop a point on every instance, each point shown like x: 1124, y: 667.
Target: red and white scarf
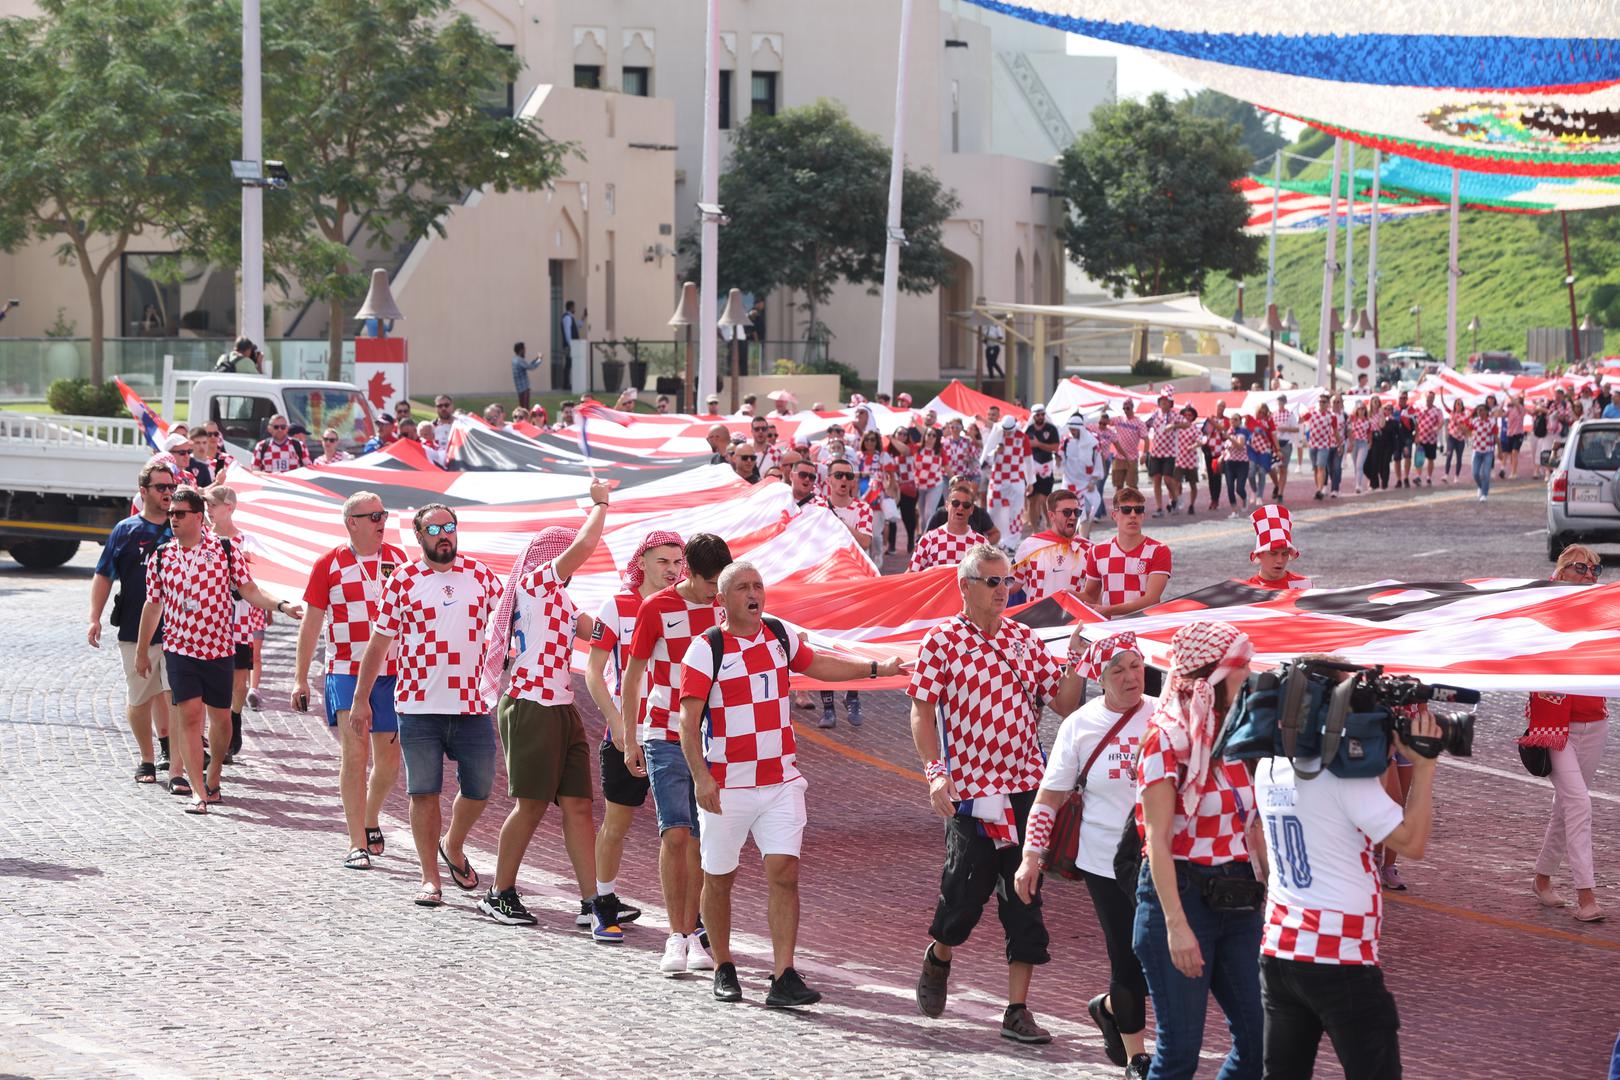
x: 1186, y: 714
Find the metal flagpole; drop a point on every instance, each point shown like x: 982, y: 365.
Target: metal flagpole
x: 1453, y: 272
x: 1349, y: 309
x: 1271, y: 259
x: 709, y: 281
x: 1372, y: 249
x: 1324, y: 361
x: 251, y: 323
x: 896, y: 237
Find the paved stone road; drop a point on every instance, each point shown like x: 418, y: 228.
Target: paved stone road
x: 147, y: 943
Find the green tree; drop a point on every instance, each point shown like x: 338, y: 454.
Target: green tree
x: 807, y: 192
x: 1258, y: 133
x: 111, y: 126
x: 379, y: 109
x: 1151, y: 202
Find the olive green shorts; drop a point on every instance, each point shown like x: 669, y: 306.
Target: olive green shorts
x: 548, y: 756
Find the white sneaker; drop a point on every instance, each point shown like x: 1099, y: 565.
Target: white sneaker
x: 675, y: 957
x: 697, y: 957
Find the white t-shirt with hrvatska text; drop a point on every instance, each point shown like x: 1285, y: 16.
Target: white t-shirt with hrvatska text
x: 1110, y: 793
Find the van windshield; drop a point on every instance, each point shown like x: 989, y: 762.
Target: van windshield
x: 319, y: 408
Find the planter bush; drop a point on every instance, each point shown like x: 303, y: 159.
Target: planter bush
x: 76, y: 397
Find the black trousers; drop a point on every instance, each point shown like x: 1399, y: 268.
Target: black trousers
x: 1348, y: 1002
x: 975, y: 870
x: 1212, y: 466
x: 1127, y: 986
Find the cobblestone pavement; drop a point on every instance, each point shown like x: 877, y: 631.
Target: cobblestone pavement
x: 147, y: 943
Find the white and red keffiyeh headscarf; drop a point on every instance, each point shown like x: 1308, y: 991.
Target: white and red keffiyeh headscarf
x: 1186, y: 713
x: 634, y: 574
x: 1095, y: 660
x: 547, y: 546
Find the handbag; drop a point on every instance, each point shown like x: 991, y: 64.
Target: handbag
x: 1063, y: 854
x: 1537, y: 760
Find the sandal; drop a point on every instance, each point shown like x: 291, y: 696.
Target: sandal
x: 211, y: 794
x: 146, y: 773
x: 198, y: 807
x: 430, y: 896
x: 357, y: 859
x: 465, y: 877
x: 179, y: 785
x: 374, y: 841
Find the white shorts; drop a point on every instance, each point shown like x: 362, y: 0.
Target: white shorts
x: 774, y: 815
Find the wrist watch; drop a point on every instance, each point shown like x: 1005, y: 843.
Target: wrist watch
x: 874, y: 670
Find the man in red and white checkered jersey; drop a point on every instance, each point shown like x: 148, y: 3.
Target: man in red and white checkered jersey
x: 975, y: 720
x: 1162, y: 426
x: 665, y: 628
x: 1006, y: 453
x: 1053, y: 561
x: 189, y: 586
x: 1426, y: 430
x: 345, y: 587
x: 1323, y: 434
x: 278, y: 453
x: 219, y: 499
x: 1324, y: 912
x: 1128, y: 572
x: 437, y: 610
x: 947, y: 544
x: 855, y: 513
x: 738, y: 741
x: 1125, y: 435
x: 657, y: 564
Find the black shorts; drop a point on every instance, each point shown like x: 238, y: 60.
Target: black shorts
x: 1188, y: 476
x: 975, y: 869
x: 1161, y: 466
x: 619, y: 786
x: 1043, y: 485
x: 244, y: 656
x: 207, y: 679
x: 1430, y: 450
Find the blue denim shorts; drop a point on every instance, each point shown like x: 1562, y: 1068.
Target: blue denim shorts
x: 426, y: 739
x: 340, y: 698
x: 673, y: 795
x: 1321, y: 457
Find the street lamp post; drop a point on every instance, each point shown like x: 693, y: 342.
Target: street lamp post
x: 730, y: 320
x: 1473, y: 330
x: 1335, y: 325
x: 1274, y: 326
x: 1417, y: 318
x: 686, y: 313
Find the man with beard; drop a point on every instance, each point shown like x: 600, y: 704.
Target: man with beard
x: 436, y: 609
x: 1053, y: 561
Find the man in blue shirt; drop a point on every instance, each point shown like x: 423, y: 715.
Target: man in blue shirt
x: 521, y: 366
x: 1611, y: 411
x: 123, y: 559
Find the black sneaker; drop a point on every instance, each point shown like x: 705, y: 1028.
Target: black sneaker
x: 789, y: 991
x: 702, y: 935
x: 163, y: 755
x: 1113, y: 1044
x: 505, y: 907
x: 236, y: 737
x: 726, y: 986
x: 627, y: 914
x: 1139, y: 1066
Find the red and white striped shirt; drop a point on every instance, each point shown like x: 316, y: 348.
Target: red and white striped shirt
x: 940, y: 547
x: 748, y: 733
x: 348, y: 589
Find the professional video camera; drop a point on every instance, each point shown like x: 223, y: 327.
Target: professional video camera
x: 1343, y: 714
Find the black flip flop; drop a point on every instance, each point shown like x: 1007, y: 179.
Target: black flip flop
x: 146, y: 773
x: 465, y: 877
x: 179, y: 785
x: 357, y: 859
x: 374, y: 842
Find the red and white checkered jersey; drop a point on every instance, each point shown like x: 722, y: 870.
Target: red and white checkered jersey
x: 1127, y: 434
x: 1008, y: 458
x: 1322, y: 897
x: 249, y: 619
x: 958, y: 456
x: 1428, y: 424
x: 438, y: 617
x: 615, y: 625
x: 1047, y: 564
x: 1482, y: 434
x: 1161, y: 433
x: 1289, y: 580
x: 664, y: 631
x: 769, y: 457
x: 1124, y: 574
x: 543, y: 618
x: 1216, y: 428
x: 940, y: 547
x: 1186, y: 441
x: 983, y: 690
x: 927, y: 468
x: 1321, y: 430
x: 1214, y: 834
x: 1562, y: 413
x: 348, y: 589
x: 1237, y: 446
x: 858, y: 513
x: 1360, y: 429
x: 273, y: 457
x: 1262, y: 437
x: 193, y: 586
x: 1513, y: 418
x: 332, y: 459
x: 747, y: 733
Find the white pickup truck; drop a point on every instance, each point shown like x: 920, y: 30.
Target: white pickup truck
x: 67, y: 479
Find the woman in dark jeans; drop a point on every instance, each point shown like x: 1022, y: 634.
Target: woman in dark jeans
x: 1198, y: 899
x: 1385, y: 441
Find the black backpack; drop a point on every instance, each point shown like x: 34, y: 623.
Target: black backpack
x: 717, y: 643
x: 1539, y: 429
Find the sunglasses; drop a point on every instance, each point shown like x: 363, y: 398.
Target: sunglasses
x: 448, y: 528
x: 958, y: 504
x: 329, y: 438
x: 746, y: 457
x: 841, y: 476
x: 278, y: 427
x: 375, y: 516
x: 175, y: 515
x: 994, y: 580
x: 1073, y: 511
x: 163, y: 489
x: 1586, y: 569
x: 1130, y: 509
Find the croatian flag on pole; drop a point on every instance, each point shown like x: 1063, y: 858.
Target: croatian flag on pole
x: 152, y: 425
x: 587, y: 410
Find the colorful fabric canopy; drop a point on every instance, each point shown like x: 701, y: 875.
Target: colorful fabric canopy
x: 1523, y: 87
x: 1302, y: 208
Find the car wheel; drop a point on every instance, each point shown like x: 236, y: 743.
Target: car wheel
x: 43, y: 554
x: 1556, y: 543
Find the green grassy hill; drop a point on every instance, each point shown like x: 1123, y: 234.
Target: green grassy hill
x: 1513, y: 277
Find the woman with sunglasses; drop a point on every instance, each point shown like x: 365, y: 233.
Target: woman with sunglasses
x: 330, y: 454
x: 1573, y: 728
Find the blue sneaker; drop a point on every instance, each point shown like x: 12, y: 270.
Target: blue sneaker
x: 853, y: 708
x: 605, y: 921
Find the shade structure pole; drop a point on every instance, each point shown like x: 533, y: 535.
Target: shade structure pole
x: 1453, y: 272
x: 251, y: 323
x: 1372, y: 249
x: 1271, y: 257
x: 896, y: 238
x: 1577, y: 348
x: 1349, y: 309
x: 709, y: 237
x: 1324, y: 349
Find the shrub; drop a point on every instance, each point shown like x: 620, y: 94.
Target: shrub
x: 76, y: 397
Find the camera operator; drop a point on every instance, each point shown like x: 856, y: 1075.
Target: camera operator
x: 1319, y: 955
